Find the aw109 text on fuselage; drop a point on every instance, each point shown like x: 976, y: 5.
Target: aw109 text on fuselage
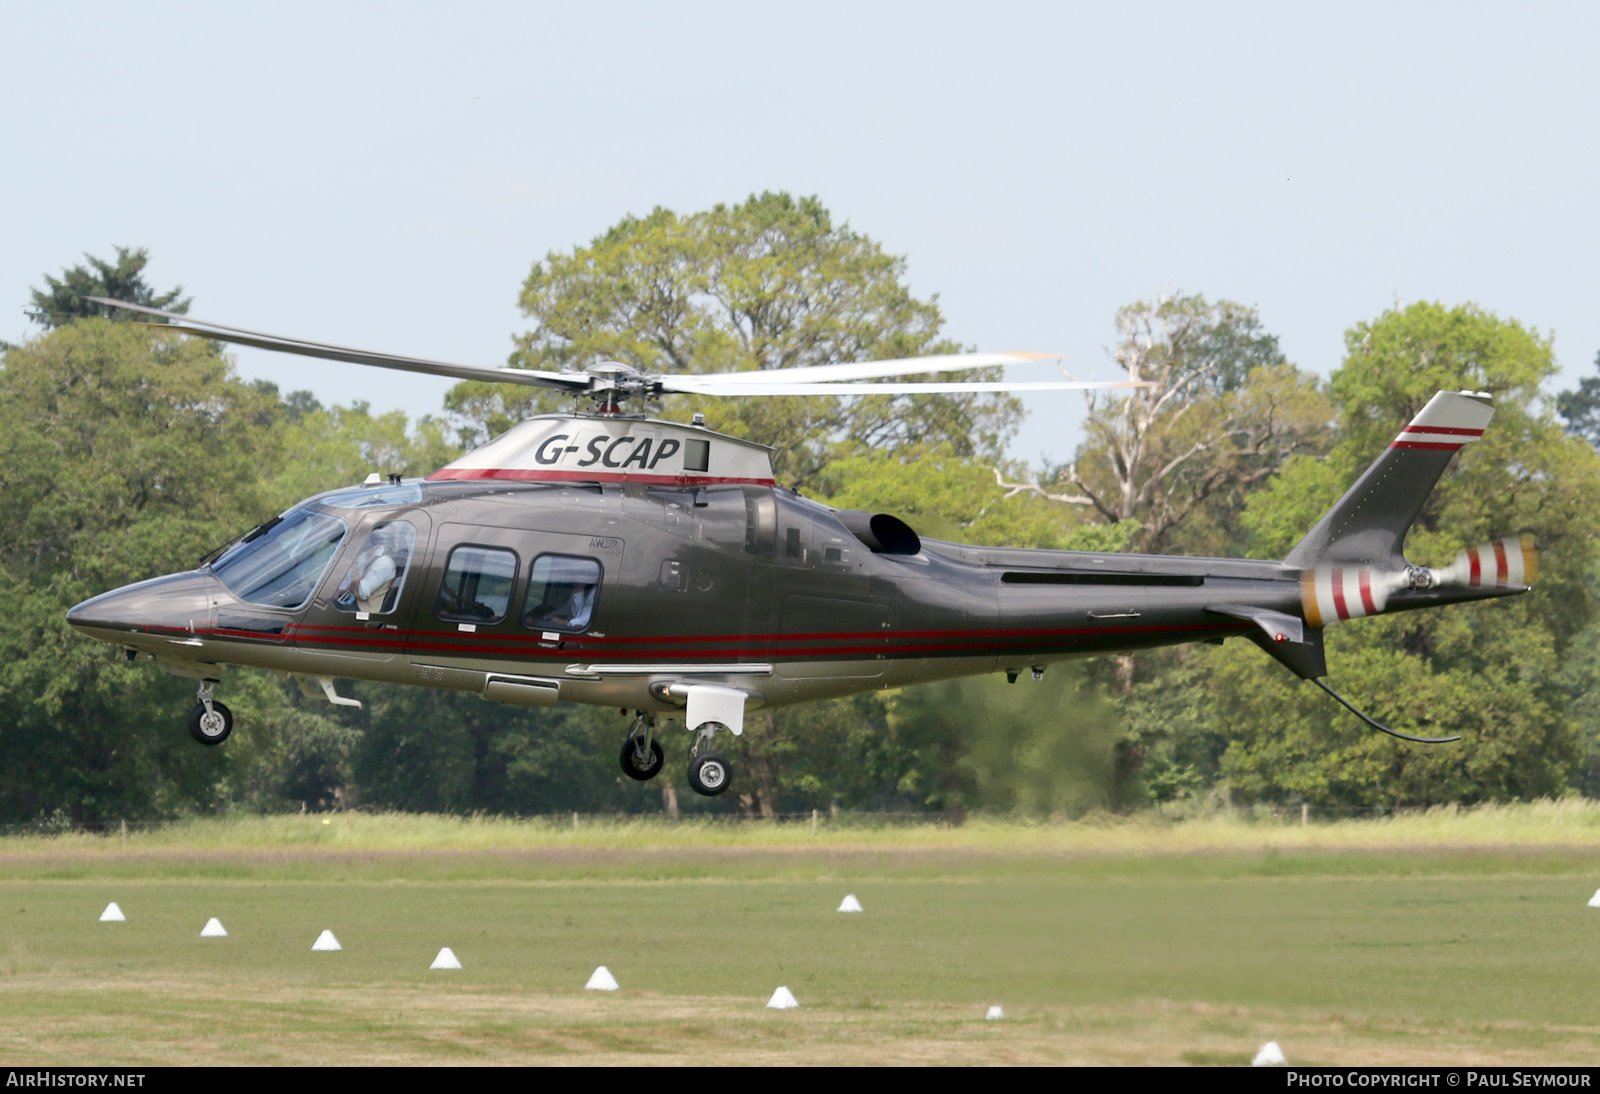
x: 657, y: 567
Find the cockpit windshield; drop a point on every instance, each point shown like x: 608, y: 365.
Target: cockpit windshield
x: 282, y: 566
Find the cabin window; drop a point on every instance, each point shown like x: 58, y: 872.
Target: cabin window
x: 561, y: 593
x: 376, y: 576
x: 697, y: 455
x: 477, y: 585
x: 281, y: 563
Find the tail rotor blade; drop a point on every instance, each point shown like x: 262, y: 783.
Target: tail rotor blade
x: 1513, y: 560
x: 1331, y: 594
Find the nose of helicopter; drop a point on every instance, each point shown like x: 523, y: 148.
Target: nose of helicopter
x: 162, y: 605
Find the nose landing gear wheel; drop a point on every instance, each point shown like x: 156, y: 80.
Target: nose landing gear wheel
x: 710, y: 774
x: 210, y: 727
x: 641, y: 759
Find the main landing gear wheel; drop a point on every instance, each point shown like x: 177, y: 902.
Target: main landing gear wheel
x: 210, y: 727
x: 642, y: 757
x: 710, y: 774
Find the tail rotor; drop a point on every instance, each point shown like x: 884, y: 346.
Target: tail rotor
x: 1504, y: 563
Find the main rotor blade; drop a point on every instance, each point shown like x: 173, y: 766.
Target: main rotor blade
x: 868, y: 370
x: 559, y: 381
x: 707, y: 385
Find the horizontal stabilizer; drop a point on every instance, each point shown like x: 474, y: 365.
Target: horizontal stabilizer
x: 1285, y: 638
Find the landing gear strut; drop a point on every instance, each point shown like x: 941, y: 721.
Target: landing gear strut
x: 209, y: 721
x: 709, y: 772
x: 641, y: 756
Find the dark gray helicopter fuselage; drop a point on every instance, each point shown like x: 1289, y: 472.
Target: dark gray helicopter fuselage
x: 750, y: 586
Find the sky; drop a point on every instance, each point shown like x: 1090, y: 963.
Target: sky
x: 385, y: 175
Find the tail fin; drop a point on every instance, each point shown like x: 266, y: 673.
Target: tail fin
x: 1367, y: 527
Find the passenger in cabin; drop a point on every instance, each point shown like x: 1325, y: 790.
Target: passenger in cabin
x: 561, y: 593
x: 566, y: 608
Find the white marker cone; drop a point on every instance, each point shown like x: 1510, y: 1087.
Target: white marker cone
x: 113, y: 914
x: 1269, y: 1056
x: 782, y: 999
x: 850, y: 903
x: 446, y: 960
x: 995, y: 1014
x: 213, y: 929
x: 602, y: 980
x: 1594, y: 901
x: 326, y: 941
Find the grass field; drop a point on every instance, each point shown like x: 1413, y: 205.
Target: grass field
x: 1452, y: 937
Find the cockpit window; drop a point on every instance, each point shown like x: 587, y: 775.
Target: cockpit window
x: 377, y: 575
x: 282, y: 566
x: 368, y: 496
x: 561, y: 592
x: 477, y: 585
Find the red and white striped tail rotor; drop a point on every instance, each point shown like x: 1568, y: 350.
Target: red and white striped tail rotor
x: 1329, y: 594
x: 1510, y: 561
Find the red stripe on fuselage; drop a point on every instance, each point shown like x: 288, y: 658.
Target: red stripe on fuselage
x: 1502, y: 572
x: 575, y: 641
x: 1338, y: 594
x: 1456, y: 431
x: 474, y: 474
x: 483, y: 645
x: 1435, y: 445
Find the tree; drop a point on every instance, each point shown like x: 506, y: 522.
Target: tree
x: 1491, y: 671
x: 339, y: 446
x: 1581, y: 408
x: 63, y: 300
x: 1222, y: 412
x: 123, y: 455
x: 769, y: 283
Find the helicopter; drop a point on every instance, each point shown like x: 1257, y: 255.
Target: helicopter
x: 609, y: 558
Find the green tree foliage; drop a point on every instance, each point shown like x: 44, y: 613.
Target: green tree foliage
x: 340, y: 445
x: 1039, y: 748
x: 440, y: 751
x: 126, y: 454
x: 63, y: 299
x: 123, y: 455
x: 1491, y: 671
x: 1580, y: 408
x: 772, y: 282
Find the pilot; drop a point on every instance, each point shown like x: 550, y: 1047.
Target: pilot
x: 371, y: 577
